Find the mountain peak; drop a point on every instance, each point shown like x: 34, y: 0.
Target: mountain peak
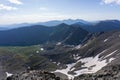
x: 62, y: 24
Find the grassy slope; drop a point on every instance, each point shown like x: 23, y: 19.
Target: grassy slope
x: 19, y: 57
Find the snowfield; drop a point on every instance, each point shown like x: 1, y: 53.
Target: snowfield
x: 91, y: 65
x: 65, y: 71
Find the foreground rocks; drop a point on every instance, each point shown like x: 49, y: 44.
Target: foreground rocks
x: 34, y: 75
x: 111, y: 72
x: 107, y: 73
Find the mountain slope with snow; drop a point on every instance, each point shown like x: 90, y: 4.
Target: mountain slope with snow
x: 95, y: 54
x: 98, y: 53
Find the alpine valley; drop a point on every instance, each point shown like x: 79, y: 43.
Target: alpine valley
x: 61, y: 50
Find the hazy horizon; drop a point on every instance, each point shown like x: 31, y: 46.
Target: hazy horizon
x: 34, y: 23
x: 29, y: 11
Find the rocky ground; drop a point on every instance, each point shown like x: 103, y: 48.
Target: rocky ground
x: 34, y: 75
x: 107, y: 73
x: 2, y: 75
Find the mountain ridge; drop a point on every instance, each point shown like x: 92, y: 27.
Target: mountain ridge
x: 39, y: 34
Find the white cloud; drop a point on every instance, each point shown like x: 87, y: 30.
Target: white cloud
x: 111, y: 1
x: 8, y: 8
x: 30, y: 18
x: 15, y: 2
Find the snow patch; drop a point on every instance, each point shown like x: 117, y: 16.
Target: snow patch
x: 85, y: 45
x: 59, y: 43
x: 37, y: 51
x: 93, y: 64
x: 89, y: 62
x: 58, y: 63
x: 76, y: 57
x: 105, y: 40
x: 111, y: 54
x: 8, y: 74
x: 42, y: 49
x: 78, y: 47
x: 65, y: 71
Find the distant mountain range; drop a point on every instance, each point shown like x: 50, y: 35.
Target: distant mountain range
x: 69, y: 22
x: 101, y: 26
x: 70, y: 32
x: 98, y: 26
x: 48, y: 23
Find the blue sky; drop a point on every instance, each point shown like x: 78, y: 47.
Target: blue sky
x: 21, y: 11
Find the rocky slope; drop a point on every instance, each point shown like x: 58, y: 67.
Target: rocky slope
x: 106, y: 73
x: 33, y: 75
x: 109, y: 47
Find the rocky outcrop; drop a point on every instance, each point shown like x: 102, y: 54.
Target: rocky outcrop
x: 34, y: 75
x: 107, y: 73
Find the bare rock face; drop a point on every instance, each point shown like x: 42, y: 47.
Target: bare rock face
x: 34, y: 75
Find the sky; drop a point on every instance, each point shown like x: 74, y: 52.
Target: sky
x: 31, y: 11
